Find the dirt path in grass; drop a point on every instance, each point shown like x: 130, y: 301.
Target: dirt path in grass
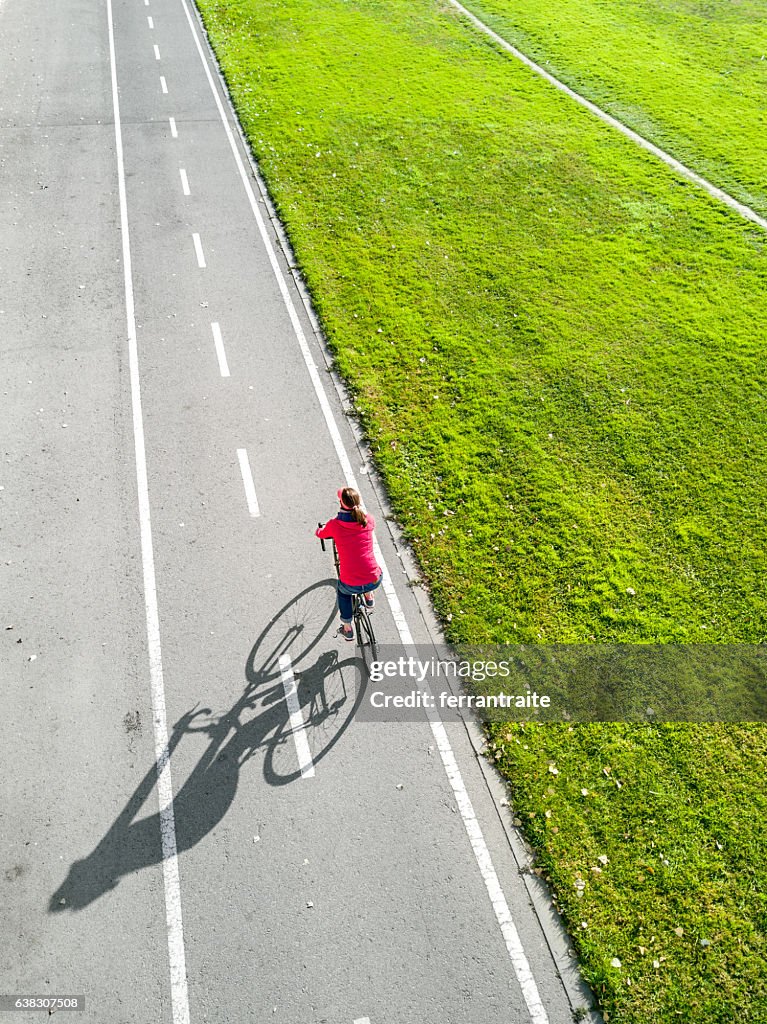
x: 680, y: 168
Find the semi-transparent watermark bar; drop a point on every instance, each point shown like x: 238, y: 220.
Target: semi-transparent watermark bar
x: 568, y: 683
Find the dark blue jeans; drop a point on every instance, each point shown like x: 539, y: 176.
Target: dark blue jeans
x: 345, y: 597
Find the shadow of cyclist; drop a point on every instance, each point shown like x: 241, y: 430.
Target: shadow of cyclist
x: 258, y: 720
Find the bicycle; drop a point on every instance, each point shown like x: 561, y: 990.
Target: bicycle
x: 363, y: 627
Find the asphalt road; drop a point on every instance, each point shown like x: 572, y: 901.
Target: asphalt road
x: 340, y: 872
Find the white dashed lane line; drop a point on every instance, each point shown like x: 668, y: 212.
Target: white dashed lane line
x: 218, y: 341
x: 156, y: 52
x: 297, y: 724
x: 163, y: 84
x: 184, y: 182
x: 198, y: 251
x: 247, y: 480
x: 150, y: 21
x: 173, y: 129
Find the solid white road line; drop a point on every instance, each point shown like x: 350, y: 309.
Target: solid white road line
x: 156, y: 52
x: 218, y: 341
x: 170, y: 875
x: 497, y: 896
x: 640, y: 140
x: 247, y: 480
x: 163, y: 84
x: 498, y: 901
x: 184, y: 182
x: 487, y: 870
x: 150, y: 22
x: 173, y: 129
x: 198, y: 250
x: 297, y: 724
x: 362, y: 1020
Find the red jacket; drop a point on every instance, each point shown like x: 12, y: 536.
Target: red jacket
x: 355, y: 548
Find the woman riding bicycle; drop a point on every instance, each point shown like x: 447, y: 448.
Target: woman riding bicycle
x: 359, y: 573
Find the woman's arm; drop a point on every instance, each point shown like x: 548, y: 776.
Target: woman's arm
x: 323, y: 532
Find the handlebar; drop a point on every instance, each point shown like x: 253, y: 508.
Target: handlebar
x: 322, y: 542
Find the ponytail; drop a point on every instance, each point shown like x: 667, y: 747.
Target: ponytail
x: 352, y: 502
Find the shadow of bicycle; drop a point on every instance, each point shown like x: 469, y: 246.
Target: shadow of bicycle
x: 329, y: 690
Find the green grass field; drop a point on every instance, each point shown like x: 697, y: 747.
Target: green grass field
x: 689, y: 75
x: 556, y: 347
x: 679, y: 813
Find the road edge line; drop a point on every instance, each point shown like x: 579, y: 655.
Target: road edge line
x: 170, y: 872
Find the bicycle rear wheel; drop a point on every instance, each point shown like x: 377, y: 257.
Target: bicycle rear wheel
x: 366, y: 638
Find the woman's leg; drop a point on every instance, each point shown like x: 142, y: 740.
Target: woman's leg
x: 344, y: 605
